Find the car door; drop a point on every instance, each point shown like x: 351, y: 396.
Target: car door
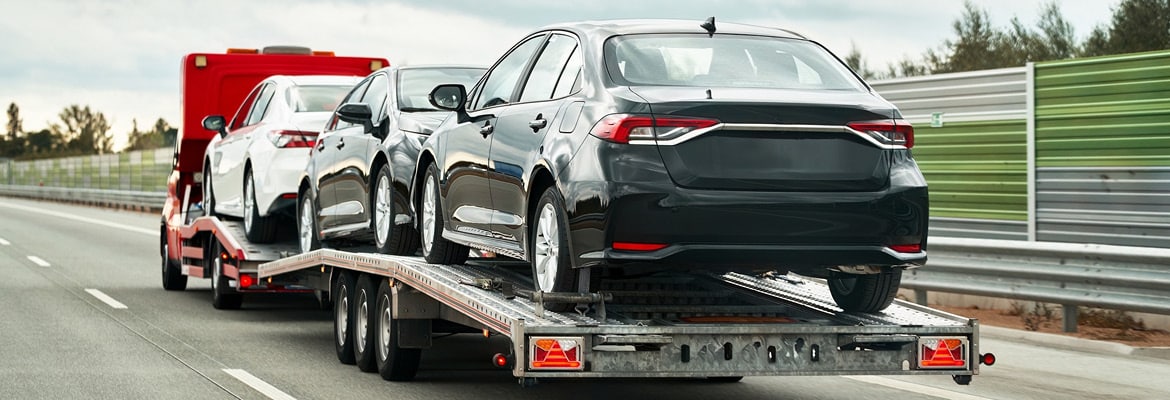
x: 324, y: 162
x: 232, y: 153
x: 467, y: 199
x: 355, y: 147
x: 521, y: 130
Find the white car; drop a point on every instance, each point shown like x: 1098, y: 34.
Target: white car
x: 251, y: 168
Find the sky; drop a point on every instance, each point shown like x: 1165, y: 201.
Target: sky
x: 122, y: 57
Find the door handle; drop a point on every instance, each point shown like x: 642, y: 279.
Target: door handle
x: 340, y: 144
x: 538, y: 123
x: 486, y: 129
x: 320, y: 145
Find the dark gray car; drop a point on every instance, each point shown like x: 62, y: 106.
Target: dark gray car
x: 356, y: 183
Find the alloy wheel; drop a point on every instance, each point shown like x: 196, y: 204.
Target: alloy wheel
x: 249, y: 202
x: 547, y: 248
x: 382, y: 210
x: 306, y: 231
x: 428, y: 216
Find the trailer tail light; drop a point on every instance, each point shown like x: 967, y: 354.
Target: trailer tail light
x: 555, y: 353
x: 987, y: 359
x: 286, y: 139
x: 890, y: 131
x: 942, y: 352
x: 622, y: 128
x: 632, y: 246
x: 246, y: 281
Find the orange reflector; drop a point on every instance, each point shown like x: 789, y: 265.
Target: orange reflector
x: 631, y: 246
x: 555, y: 353
x: 375, y: 65
x: 243, y: 51
x: 948, y: 352
x: 323, y: 53
x: 246, y: 281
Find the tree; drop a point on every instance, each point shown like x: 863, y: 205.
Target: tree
x: 84, y: 130
x: 855, y: 61
x: 975, y: 48
x: 14, y: 122
x: 1140, y: 25
x: 161, y: 135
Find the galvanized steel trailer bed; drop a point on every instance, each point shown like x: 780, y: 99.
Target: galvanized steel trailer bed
x: 704, y: 325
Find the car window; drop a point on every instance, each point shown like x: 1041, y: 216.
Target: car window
x: 316, y: 98
x: 353, y: 97
x: 242, y: 112
x: 261, y: 106
x: 375, y: 96
x: 415, y: 84
x: 570, y: 80
x: 548, y: 68
x: 500, y: 85
x: 727, y: 61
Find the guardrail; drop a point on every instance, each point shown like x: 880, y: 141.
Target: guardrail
x: 1070, y: 274
x: 140, y: 200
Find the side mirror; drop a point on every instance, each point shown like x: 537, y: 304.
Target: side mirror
x: 215, y: 123
x: 449, y: 97
x: 356, y: 113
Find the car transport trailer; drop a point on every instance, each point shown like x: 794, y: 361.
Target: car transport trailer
x: 719, y: 326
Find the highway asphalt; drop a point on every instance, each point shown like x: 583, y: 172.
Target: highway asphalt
x: 66, y: 270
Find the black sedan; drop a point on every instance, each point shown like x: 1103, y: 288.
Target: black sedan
x: 625, y: 147
x: 355, y: 187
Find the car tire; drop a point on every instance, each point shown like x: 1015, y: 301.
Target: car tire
x: 866, y: 293
x: 172, y: 275
x: 394, y: 363
x: 365, y: 312
x: 223, y: 297
x: 342, y: 292
x: 552, y: 266
x: 436, y: 248
x: 390, y: 238
x: 307, y: 239
x: 208, y: 194
x: 259, y: 229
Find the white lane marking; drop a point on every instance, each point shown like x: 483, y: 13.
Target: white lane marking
x: 4, y: 242
x: 106, y: 299
x: 916, y: 388
x: 38, y: 261
x: 144, y: 231
x: 261, y: 386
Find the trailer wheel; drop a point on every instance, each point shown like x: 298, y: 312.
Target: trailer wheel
x: 365, y: 312
x: 552, y: 268
x: 172, y: 275
x: 394, y: 363
x: 223, y: 297
x: 390, y: 238
x: 865, y: 293
x: 435, y: 248
x: 259, y: 229
x: 342, y: 312
x: 307, y: 228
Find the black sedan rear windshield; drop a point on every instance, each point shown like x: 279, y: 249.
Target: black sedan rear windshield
x: 725, y: 61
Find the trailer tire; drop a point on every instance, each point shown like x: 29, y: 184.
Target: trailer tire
x: 436, y: 249
x: 865, y: 293
x: 343, y: 317
x: 394, y: 363
x: 390, y: 238
x: 552, y: 266
x: 259, y: 229
x: 223, y: 297
x: 364, y: 311
x: 172, y: 275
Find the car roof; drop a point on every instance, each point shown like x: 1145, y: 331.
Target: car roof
x: 607, y: 28
x: 432, y: 66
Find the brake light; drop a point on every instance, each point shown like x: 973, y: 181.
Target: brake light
x: 942, y: 352
x: 622, y: 128
x: 906, y: 248
x: 246, y: 281
x: 889, y: 131
x: 555, y: 353
x: 631, y: 246
x: 292, y: 139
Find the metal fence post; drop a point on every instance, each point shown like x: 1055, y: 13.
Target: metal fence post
x: 1070, y: 317
x: 1030, y: 145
